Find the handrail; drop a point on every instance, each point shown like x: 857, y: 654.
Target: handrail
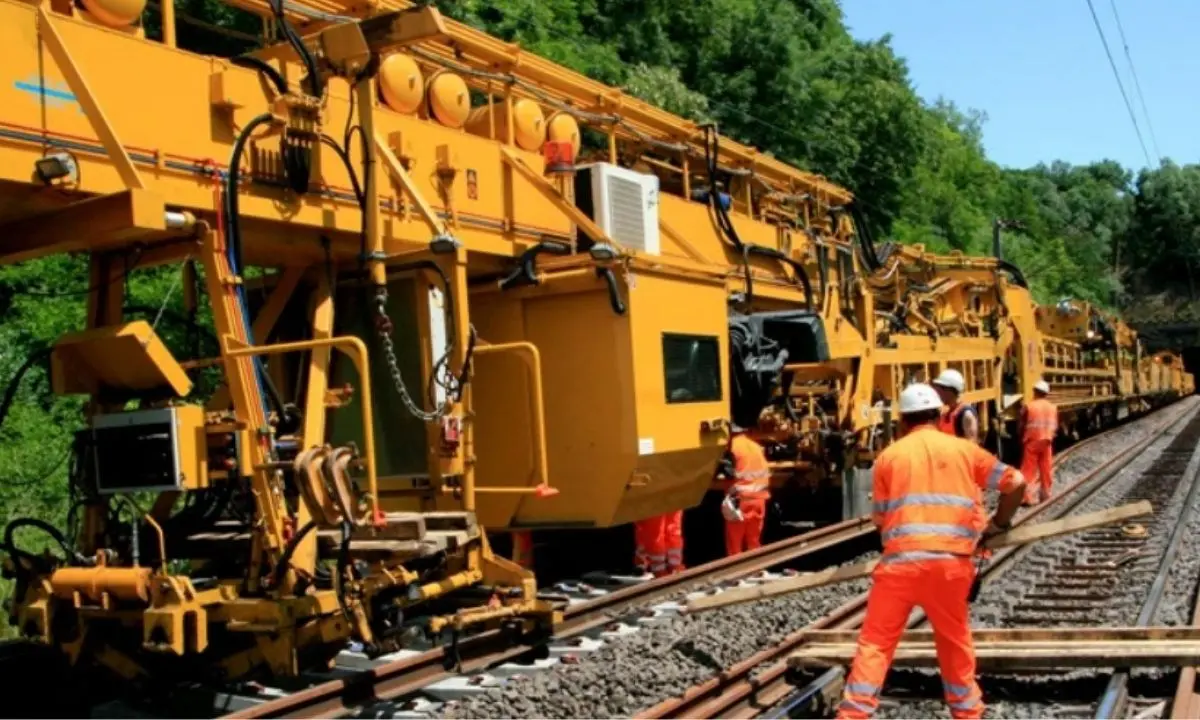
x: 533, y: 363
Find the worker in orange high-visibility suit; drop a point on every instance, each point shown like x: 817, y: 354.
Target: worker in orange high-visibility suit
x: 1039, y: 425
x: 958, y: 418
x: 745, y: 504
x: 673, y: 541
x: 650, y: 551
x: 928, y: 505
x: 658, y: 544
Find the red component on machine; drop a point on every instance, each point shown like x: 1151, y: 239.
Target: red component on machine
x: 559, y: 156
x: 451, y: 433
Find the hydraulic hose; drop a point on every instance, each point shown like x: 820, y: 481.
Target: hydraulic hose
x: 257, y: 63
x: 10, y: 392
x: 801, y: 273
x: 55, y: 534
x: 1015, y: 272
x: 285, y: 560
x: 614, y: 292
x: 233, y: 239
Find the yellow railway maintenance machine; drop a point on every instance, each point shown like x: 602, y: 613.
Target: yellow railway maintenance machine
x: 436, y: 314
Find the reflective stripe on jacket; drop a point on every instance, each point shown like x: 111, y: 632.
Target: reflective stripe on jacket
x: 928, y: 492
x: 1041, y: 421
x: 752, y: 479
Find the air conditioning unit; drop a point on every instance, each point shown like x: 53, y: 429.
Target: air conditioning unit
x: 622, y: 202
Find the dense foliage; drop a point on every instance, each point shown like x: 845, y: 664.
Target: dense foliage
x: 782, y: 75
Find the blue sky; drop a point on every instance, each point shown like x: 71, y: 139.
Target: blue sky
x: 1038, y: 69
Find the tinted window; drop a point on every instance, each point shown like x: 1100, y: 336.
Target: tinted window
x: 692, y: 367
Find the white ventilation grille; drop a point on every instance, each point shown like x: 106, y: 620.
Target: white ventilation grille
x: 625, y: 206
x: 627, y: 212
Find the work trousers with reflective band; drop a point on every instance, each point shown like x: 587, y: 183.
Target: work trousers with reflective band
x: 939, y: 584
x: 650, y: 554
x: 659, y: 543
x: 1037, y: 460
x: 747, y: 534
x: 673, y: 540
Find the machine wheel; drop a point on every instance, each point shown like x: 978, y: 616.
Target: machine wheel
x: 35, y: 683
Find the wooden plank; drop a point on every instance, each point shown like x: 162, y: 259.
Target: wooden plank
x: 1017, y: 536
x: 1068, y: 525
x: 1153, y: 633
x: 1016, y: 655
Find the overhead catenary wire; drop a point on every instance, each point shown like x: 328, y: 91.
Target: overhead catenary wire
x: 1117, y: 75
x: 1137, y: 85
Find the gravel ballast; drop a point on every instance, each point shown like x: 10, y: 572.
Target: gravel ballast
x: 663, y: 660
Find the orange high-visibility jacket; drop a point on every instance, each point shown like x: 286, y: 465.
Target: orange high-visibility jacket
x: 753, y: 474
x: 951, y: 422
x: 1041, y: 420
x: 928, y: 492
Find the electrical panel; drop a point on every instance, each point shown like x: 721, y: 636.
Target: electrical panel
x: 150, y: 450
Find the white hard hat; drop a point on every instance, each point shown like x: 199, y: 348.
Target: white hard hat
x: 1042, y: 386
x: 917, y: 398
x: 951, y: 379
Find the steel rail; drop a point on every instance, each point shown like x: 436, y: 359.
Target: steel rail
x: 747, y: 689
x: 478, y: 652
x: 1112, y: 701
x: 1186, y: 703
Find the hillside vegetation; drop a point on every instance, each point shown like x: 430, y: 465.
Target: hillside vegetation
x: 782, y: 75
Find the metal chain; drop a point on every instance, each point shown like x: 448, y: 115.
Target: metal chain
x: 389, y: 352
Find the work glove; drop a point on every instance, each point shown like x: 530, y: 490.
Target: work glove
x: 730, y: 509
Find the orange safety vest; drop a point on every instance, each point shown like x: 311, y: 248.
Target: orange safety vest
x: 928, y: 499
x: 1041, y: 420
x: 951, y: 422
x: 752, y: 480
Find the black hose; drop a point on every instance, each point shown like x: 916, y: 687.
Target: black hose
x: 310, y: 63
x: 344, y: 156
x: 55, y: 534
x: 614, y: 293
x: 233, y: 234
x: 10, y: 392
x: 801, y: 273
x: 264, y: 67
x: 285, y: 560
x: 1015, y: 272
x: 526, y: 271
x: 712, y: 150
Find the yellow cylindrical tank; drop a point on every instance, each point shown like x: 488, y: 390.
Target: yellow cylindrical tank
x: 401, y: 83
x: 115, y: 13
x: 449, y: 99
x: 131, y: 584
x: 529, y: 125
x: 563, y: 127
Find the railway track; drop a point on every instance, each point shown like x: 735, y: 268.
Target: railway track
x: 759, y: 685
x: 411, y: 674
x: 411, y: 684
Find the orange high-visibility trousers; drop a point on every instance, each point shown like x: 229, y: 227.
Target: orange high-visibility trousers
x: 1038, y: 459
x: 673, y: 540
x: 650, y: 553
x: 747, y: 534
x: 940, y: 587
